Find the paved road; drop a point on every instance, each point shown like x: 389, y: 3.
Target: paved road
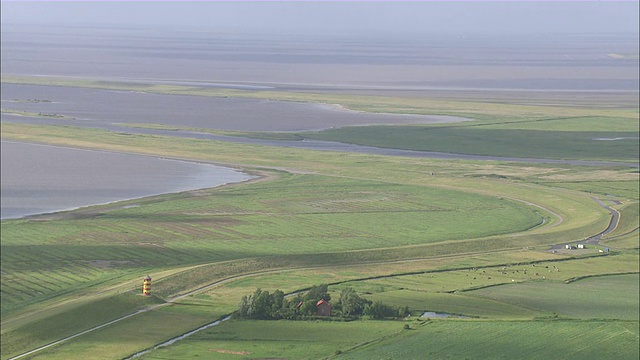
x: 615, y: 218
x: 595, y: 239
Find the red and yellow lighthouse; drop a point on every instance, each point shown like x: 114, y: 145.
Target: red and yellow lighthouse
x: 146, y: 286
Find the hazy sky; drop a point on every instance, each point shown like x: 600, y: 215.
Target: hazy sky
x: 309, y: 17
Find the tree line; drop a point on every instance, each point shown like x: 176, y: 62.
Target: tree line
x: 262, y: 305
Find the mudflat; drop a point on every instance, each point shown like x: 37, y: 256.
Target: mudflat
x: 91, y: 107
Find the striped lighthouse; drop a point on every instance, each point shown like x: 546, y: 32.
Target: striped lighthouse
x: 146, y: 286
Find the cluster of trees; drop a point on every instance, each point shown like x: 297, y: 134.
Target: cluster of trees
x: 262, y: 305
x: 378, y: 310
x: 353, y: 304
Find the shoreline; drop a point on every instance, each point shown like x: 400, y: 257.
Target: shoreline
x: 77, y: 211
x: 69, y: 212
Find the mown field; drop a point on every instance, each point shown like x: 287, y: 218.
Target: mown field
x: 441, y: 339
x: 606, y: 297
x: 462, y: 237
x: 497, y: 293
x: 437, y: 339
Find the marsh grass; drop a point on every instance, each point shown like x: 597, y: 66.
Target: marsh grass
x: 480, y: 107
x: 493, y: 141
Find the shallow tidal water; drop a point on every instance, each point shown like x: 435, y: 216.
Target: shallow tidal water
x: 39, y: 179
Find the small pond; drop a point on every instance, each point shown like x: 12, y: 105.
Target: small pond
x: 436, y: 315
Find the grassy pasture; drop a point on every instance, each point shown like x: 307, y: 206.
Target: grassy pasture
x: 602, y: 297
x: 224, y: 298
x: 416, y: 293
x: 628, y: 220
x: 133, y: 334
x: 441, y: 288
x: 586, y: 124
x: 464, y: 339
x: 462, y: 291
x: 626, y: 189
x: 456, y: 304
x: 298, y: 214
x: 438, y: 339
x: 277, y: 339
x: 68, y: 323
x: 629, y: 241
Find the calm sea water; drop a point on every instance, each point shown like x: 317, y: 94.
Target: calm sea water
x: 39, y: 179
x: 545, y: 61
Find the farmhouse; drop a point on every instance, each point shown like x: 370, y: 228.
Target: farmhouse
x: 324, y: 308
x: 582, y: 246
x: 569, y: 247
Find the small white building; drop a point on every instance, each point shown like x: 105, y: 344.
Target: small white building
x: 569, y: 247
x: 582, y: 246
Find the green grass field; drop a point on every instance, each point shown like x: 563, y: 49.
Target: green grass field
x: 463, y: 237
x: 68, y: 323
x: 299, y: 214
x: 543, y: 335
x: 277, y: 339
x: 438, y: 339
x: 443, y: 339
x: 605, y: 297
x: 599, y: 138
x: 496, y: 140
x: 484, y: 292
